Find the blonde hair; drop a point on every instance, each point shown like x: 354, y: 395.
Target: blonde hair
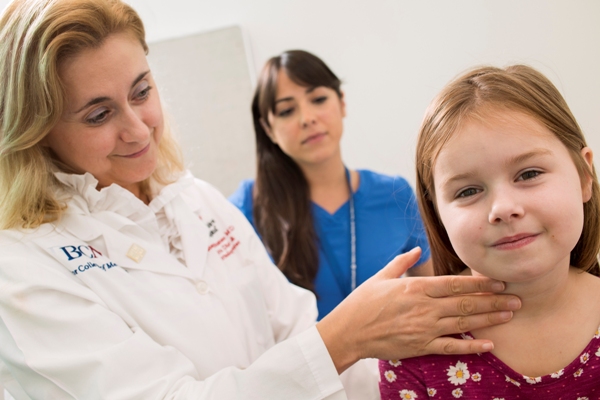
x: 35, y: 37
x: 474, y: 95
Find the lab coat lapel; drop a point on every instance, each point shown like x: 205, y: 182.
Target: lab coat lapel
x: 119, y: 245
x: 194, y: 236
x: 150, y: 257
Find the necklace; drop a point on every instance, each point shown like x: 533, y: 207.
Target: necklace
x: 352, y: 234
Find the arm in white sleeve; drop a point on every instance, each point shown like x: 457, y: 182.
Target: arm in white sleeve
x: 59, y: 340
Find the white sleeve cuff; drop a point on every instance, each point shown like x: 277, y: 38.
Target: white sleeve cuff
x: 320, y: 363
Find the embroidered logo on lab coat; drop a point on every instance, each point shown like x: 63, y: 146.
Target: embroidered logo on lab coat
x: 225, y: 244
x: 82, y: 258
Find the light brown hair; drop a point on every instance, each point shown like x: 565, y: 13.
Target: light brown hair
x: 517, y: 88
x: 35, y: 37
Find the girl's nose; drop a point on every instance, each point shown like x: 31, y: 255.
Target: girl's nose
x: 505, y: 207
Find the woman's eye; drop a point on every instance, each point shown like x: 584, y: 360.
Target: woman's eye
x: 320, y: 100
x: 144, y: 93
x: 285, y: 113
x: 98, y: 116
x: 529, y: 175
x: 467, y: 192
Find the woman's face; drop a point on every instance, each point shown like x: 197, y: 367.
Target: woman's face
x: 307, y: 123
x: 112, y: 120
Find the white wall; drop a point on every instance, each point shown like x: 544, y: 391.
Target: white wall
x: 395, y: 55
x: 205, y: 84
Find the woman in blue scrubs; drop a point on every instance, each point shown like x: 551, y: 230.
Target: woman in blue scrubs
x: 328, y: 228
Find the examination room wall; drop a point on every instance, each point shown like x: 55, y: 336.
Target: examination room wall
x: 395, y: 55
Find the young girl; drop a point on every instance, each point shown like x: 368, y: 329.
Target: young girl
x: 507, y: 190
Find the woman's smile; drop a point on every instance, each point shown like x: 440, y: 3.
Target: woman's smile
x: 316, y: 138
x: 137, y: 153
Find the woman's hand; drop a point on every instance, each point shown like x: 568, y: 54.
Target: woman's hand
x: 391, y: 318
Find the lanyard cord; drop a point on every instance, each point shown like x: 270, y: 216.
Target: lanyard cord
x: 352, y: 234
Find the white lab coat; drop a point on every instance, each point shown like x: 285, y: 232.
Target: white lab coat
x: 175, y: 300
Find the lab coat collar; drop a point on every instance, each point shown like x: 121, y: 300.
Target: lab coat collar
x: 132, y: 223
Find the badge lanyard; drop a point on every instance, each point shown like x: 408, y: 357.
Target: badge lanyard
x: 352, y: 235
x: 345, y: 287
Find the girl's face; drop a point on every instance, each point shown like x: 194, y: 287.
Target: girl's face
x: 307, y: 123
x: 112, y: 121
x: 510, y: 197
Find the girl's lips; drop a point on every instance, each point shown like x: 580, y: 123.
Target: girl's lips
x: 138, y: 153
x: 313, y: 138
x: 515, y: 242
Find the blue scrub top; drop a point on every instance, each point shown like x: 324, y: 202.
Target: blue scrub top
x: 388, y: 223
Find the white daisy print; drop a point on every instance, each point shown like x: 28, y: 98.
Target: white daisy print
x: 582, y: 398
x: 407, y: 394
x: 458, y: 374
x: 457, y: 393
x: 531, y: 380
x: 558, y: 374
x: 578, y: 373
x: 585, y: 357
x: 390, y: 376
x: 498, y: 398
x: 466, y: 337
x: 598, y: 352
x: 597, y: 334
x: 476, y: 377
x: 517, y: 384
x: 431, y: 392
x: 395, y: 363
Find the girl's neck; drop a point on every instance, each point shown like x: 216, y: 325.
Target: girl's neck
x: 545, y: 295
x: 560, y: 313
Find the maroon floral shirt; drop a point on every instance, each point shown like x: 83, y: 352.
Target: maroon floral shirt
x: 483, y: 376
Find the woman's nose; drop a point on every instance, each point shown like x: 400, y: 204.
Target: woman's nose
x: 133, y: 128
x: 307, y: 116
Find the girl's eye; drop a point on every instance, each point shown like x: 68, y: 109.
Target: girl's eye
x: 320, y: 100
x: 467, y: 193
x: 98, y: 116
x: 527, y: 175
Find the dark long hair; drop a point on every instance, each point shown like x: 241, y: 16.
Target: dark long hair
x: 282, y: 208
